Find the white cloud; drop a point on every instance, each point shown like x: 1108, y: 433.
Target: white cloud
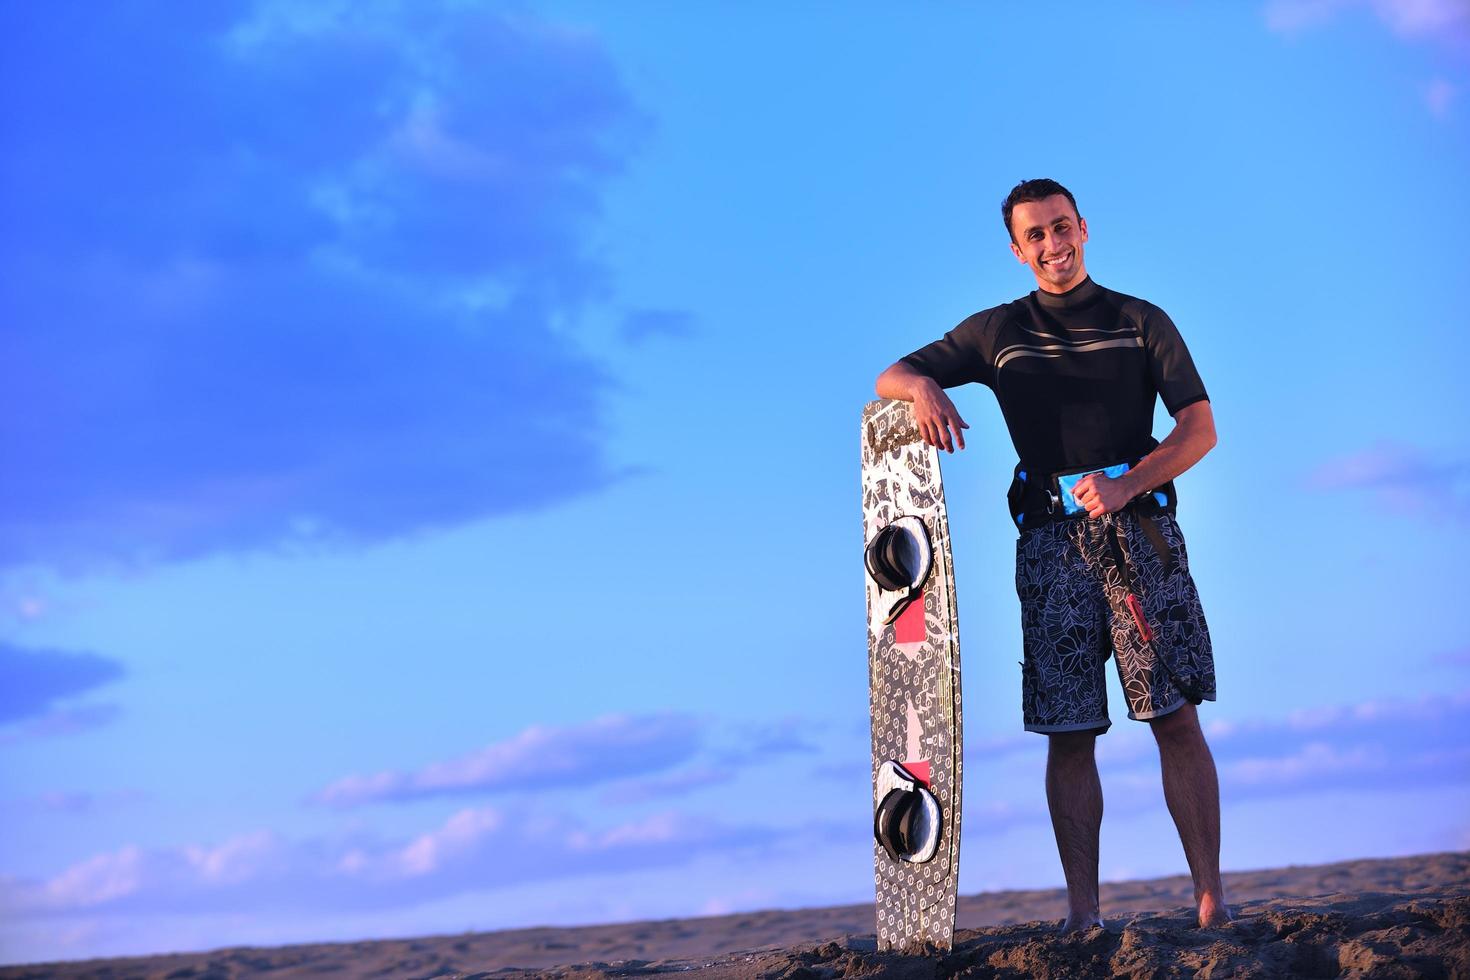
x: 475, y: 848
x: 1373, y: 745
x: 1439, y: 95
x: 634, y: 753
x: 1404, y: 478
x: 1408, y: 18
x: 96, y: 881
x: 540, y: 757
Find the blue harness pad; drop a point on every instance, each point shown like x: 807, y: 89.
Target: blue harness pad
x: 1066, y: 483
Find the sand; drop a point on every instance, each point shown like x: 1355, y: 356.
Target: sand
x: 1402, y: 917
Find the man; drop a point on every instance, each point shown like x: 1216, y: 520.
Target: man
x: 1100, y: 567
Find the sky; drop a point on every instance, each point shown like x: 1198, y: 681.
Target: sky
x: 430, y: 442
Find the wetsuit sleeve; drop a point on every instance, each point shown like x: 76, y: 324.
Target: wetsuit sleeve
x: 1174, y: 374
x: 960, y: 356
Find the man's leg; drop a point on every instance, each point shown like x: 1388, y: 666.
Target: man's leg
x: 1074, y: 796
x: 1193, y: 793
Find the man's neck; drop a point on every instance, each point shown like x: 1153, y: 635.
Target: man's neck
x: 1071, y: 284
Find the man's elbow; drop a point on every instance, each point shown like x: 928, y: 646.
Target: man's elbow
x: 1205, y: 428
x: 888, y: 384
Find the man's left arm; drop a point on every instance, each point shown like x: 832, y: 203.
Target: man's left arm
x: 1193, y: 435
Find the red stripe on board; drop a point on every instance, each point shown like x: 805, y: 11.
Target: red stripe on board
x: 920, y: 771
x: 909, y: 626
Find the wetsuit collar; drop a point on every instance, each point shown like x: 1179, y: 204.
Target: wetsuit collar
x: 1079, y: 295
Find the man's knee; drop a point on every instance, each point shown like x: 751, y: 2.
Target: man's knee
x: 1180, y: 725
x: 1071, y: 745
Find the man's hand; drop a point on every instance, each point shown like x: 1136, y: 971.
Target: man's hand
x: 938, y: 420
x: 1100, y: 494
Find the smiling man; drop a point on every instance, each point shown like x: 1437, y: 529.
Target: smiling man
x: 1101, y: 568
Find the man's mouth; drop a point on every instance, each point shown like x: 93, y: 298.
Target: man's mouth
x: 1057, y: 259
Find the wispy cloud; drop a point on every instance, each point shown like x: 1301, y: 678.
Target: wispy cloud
x: 1403, y: 478
x: 538, y: 758
x: 1440, y: 95
x: 312, y: 275
x: 643, y: 325
x: 473, y: 849
x: 35, y: 682
x: 679, y: 783
x: 1453, y: 658
x: 73, y: 801
x: 639, y: 758
x: 1375, y: 745
x: 1409, y: 18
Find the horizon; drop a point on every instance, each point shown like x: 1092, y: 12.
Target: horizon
x: 409, y: 410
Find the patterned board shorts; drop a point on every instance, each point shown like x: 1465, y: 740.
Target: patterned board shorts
x: 1073, y: 615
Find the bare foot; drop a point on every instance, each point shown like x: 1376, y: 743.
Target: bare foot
x: 1080, y: 923
x: 1212, y: 912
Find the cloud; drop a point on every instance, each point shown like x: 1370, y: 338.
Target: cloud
x: 1453, y: 658
x: 32, y: 681
x: 635, y: 754
x: 285, y: 272
x: 1375, y: 746
x: 1439, y: 95
x: 73, y: 802
x: 674, y: 784
x: 1402, y: 478
x: 643, y: 325
x: 1407, y: 18
x: 474, y: 849
x: 538, y: 758
x: 64, y: 720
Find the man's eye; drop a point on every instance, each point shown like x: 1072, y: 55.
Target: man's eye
x: 1062, y: 226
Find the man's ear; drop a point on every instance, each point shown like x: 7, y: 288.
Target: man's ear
x: 1082, y: 223
x: 1016, y: 251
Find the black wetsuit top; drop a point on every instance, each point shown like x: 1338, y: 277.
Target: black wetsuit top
x: 1075, y: 373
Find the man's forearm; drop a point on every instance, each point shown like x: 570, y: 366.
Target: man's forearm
x: 902, y: 382
x: 1192, y: 437
x: 935, y: 415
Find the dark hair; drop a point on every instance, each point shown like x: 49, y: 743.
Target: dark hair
x: 1032, y: 190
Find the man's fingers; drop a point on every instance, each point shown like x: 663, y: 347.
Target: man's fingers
x: 926, y: 429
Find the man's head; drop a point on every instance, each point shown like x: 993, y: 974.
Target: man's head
x: 1047, y: 233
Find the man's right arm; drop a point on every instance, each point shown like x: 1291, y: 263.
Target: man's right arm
x: 938, y: 420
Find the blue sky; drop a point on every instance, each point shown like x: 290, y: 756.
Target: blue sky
x: 431, y: 442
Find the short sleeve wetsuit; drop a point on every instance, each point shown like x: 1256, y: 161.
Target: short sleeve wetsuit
x: 1075, y: 373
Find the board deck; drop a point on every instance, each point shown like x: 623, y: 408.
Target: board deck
x: 913, y: 679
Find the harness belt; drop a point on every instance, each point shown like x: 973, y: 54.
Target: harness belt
x: 1035, y: 497
x: 1036, y: 500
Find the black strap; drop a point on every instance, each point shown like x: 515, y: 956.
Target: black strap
x: 893, y: 822
x: 1155, y: 537
x: 1124, y: 568
x: 1151, y: 530
x: 885, y: 563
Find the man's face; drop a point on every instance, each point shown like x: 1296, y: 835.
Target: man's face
x: 1048, y: 236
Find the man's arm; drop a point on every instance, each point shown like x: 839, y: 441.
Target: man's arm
x: 933, y: 411
x: 1193, y: 435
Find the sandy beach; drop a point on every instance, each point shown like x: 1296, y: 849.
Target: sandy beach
x: 1402, y: 917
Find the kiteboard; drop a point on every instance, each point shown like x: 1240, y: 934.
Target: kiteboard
x: 913, y: 682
